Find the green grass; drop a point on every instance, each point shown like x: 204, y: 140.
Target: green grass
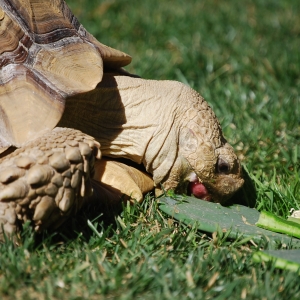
x: 243, y: 57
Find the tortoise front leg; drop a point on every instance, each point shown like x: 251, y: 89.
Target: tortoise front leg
x: 47, y: 180
x: 116, y: 181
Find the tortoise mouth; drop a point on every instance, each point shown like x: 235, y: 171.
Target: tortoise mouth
x: 198, y: 189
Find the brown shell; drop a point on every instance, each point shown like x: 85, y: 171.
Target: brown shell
x: 45, y: 56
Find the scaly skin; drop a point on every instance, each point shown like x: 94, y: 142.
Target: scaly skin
x: 47, y: 180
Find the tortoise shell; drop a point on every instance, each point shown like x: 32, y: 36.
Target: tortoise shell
x: 46, y: 55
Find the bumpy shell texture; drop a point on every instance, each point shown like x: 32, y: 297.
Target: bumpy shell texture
x: 45, y: 56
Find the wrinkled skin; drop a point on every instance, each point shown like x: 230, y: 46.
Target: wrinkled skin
x: 164, y: 125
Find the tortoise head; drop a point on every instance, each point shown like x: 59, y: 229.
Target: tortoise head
x: 213, y: 174
x: 206, y: 164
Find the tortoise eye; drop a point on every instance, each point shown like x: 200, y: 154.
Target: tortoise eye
x: 223, y: 166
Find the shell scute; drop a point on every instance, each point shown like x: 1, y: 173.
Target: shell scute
x: 45, y: 56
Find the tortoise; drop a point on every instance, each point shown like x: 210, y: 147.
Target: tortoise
x: 70, y: 112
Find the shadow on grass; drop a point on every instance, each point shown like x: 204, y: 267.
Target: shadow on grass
x: 101, y: 216
x: 247, y: 194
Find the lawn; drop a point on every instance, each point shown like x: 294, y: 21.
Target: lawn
x: 243, y: 57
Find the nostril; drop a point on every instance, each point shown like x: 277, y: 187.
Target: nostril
x: 222, y: 166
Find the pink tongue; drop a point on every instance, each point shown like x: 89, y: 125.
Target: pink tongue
x: 199, y: 190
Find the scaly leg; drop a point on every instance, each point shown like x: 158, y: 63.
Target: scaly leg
x: 47, y: 180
